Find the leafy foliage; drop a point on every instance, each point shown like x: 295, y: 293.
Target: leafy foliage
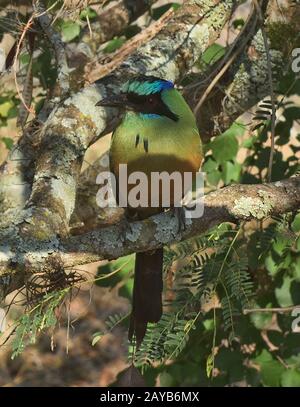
x: 213, y: 265
x: 114, y: 44
x: 70, y: 30
x: 36, y: 320
x: 111, y: 322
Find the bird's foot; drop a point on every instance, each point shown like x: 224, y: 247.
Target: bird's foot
x: 179, y: 213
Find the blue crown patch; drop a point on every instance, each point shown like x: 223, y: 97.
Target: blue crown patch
x: 147, y: 85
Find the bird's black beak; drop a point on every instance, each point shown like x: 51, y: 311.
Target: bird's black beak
x: 114, y: 101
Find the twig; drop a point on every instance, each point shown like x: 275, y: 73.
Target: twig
x: 266, y: 339
x: 282, y: 310
x: 19, y: 44
x: 37, y: 14
x: 98, y: 69
x: 28, y: 82
x: 89, y: 25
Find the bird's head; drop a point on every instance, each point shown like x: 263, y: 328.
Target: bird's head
x: 143, y: 94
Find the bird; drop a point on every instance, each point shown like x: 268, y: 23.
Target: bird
x: 157, y: 133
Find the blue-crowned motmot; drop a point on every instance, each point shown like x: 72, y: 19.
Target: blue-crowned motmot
x: 158, y: 132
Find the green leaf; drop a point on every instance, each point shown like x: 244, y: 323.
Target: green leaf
x: 167, y: 380
x: 213, y: 54
x: 296, y: 223
x: 270, y: 369
x: 231, y: 171
x: 281, y: 243
x: 290, y: 378
x: 208, y: 324
x: 249, y: 142
x: 214, y: 177
x: 132, y: 30
x: 237, y: 129
x: 96, y: 338
x: 210, y: 364
x: 271, y: 265
x: 261, y: 320
x: 271, y: 372
x: 296, y: 268
x: 88, y: 12
x: 8, y: 142
x: 209, y: 165
x: 39, y: 104
x: 238, y: 23
x: 44, y: 70
x: 283, y: 294
x: 294, y: 361
x: 292, y: 113
x: 25, y: 58
x: 114, y: 44
x: 157, y: 12
x: 5, y: 108
x: 117, y: 272
x: 224, y: 147
x: 263, y: 357
x: 70, y: 30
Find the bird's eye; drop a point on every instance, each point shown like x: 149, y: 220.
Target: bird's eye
x: 151, y: 100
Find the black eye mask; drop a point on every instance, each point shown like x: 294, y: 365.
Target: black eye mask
x: 150, y: 104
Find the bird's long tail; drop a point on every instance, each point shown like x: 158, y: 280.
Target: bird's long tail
x: 147, y: 293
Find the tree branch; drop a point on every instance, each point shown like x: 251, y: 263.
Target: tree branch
x: 20, y: 258
x: 281, y: 310
x: 101, y: 67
